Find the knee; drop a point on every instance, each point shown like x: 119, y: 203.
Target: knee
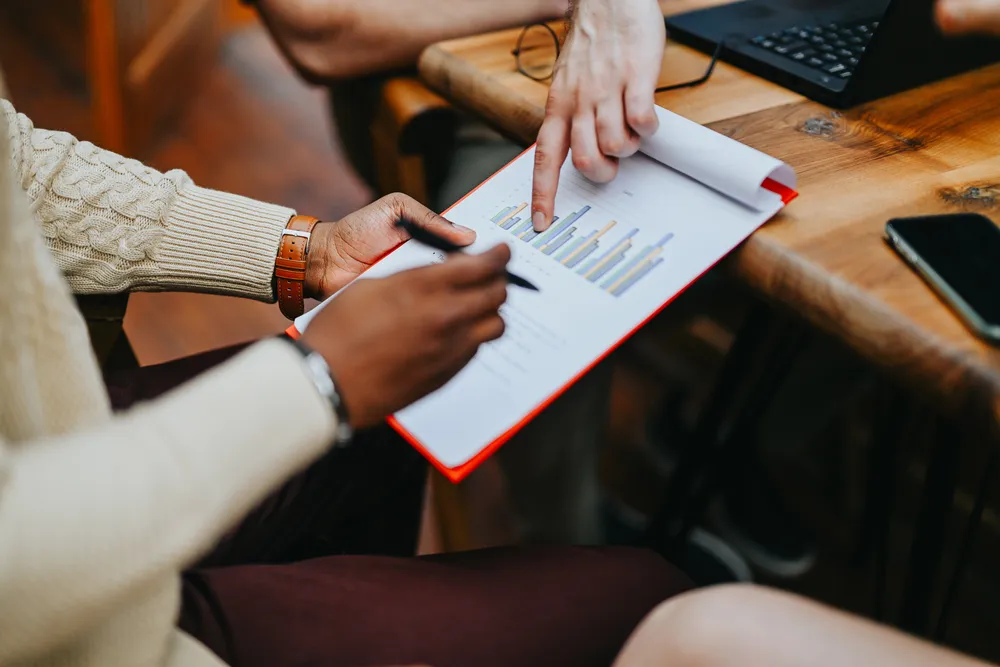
x: 710, y: 627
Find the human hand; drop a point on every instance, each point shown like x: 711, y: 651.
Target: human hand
x: 959, y: 17
x: 391, y: 341
x: 601, y: 100
x: 340, y: 251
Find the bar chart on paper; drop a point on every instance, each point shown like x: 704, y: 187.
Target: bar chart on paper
x: 599, y: 251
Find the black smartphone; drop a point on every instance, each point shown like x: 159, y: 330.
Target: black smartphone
x: 959, y: 256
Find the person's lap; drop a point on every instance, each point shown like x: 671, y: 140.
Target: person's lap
x: 256, y: 601
x: 551, y: 606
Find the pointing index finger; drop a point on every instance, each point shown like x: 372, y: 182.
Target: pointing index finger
x: 550, y: 153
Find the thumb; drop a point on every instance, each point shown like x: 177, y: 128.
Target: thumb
x: 420, y: 215
x: 453, y: 232
x: 956, y: 17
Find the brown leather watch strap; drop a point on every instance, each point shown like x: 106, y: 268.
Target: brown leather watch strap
x: 290, y: 265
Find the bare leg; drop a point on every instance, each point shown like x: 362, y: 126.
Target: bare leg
x: 749, y: 626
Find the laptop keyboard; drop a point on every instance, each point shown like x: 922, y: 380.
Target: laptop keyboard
x: 833, y: 48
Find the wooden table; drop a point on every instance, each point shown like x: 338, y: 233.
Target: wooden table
x: 932, y: 150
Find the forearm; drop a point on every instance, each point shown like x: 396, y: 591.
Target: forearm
x: 89, y: 519
x: 115, y: 225
x: 339, y: 39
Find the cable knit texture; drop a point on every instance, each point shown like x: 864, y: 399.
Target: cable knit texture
x: 115, y: 225
x: 98, y: 512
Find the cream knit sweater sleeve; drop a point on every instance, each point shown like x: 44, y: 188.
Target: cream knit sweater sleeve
x: 94, y: 520
x: 114, y: 225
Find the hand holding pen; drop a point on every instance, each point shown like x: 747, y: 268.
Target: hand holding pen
x: 429, y: 238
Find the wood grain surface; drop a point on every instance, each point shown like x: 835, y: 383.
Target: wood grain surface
x: 932, y: 150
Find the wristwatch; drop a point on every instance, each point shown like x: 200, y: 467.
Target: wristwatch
x: 319, y: 373
x: 290, y: 264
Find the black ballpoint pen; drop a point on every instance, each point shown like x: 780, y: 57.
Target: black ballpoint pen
x: 428, y: 238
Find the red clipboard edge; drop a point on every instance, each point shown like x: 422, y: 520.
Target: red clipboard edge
x: 458, y: 473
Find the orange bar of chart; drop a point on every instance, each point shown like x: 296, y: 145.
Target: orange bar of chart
x: 611, y: 256
x: 590, y: 243
x: 638, y: 268
x: 517, y: 209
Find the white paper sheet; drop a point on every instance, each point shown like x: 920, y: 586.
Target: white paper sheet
x: 731, y: 168
x: 616, y: 254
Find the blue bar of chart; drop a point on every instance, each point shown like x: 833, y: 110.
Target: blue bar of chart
x: 499, y: 215
x: 620, y: 281
x: 522, y: 228
x: 503, y: 218
x: 613, y: 266
x: 555, y: 233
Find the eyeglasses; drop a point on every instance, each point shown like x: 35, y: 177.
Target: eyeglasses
x: 704, y: 77
x: 538, y: 41
x: 532, y: 52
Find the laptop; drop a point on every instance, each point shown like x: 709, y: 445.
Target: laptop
x: 838, y: 52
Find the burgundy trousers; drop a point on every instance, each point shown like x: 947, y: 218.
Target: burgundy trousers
x: 323, y: 573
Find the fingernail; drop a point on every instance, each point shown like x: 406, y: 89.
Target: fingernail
x: 463, y: 228
x: 538, y: 221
